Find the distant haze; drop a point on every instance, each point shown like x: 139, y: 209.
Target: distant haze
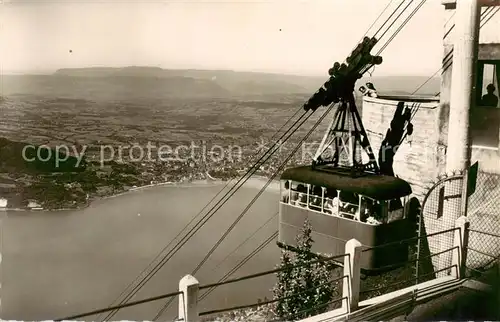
x: 136, y: 81
x: 282, y: 36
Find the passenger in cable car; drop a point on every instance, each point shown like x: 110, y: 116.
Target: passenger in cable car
x: 294, y: 195
x: 365, y: 208
x: 331, y: 202
x: 373, y: 221
x: 348, y: 204
x: 328, y: 206
x: 302, y: 196
x: 336, y: 204
x: 374, y: 212
x: 315, y: 198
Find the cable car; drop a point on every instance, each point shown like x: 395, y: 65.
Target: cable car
x: 371, y: 208
x: 343, y: 196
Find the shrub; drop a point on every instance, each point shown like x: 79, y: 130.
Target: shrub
x: 303, y: 285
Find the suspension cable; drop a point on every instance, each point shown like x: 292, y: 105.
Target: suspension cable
x: 282, y: 166
x: 374, y: 22
x: 201, y: 211
x: 241, y: 263
x: 237, y: 220
x: 402, y: 25
x: 271, y: 148
x: 491, y: 16
x: 147, y: 300
x: 448, y: 59
x: 411, y: 15
x: 387, y: 20
x: 397, y: 31
x: 211, y: 212
x: 451, y: 28
x: 245, y: 241
x: 233, y: 190
x: 396, y: 19
x: 225, y: 277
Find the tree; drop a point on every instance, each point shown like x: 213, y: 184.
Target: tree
x: 283, y: 285
x: 303, y: 285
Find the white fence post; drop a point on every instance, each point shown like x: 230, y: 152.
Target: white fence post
x: 188, y: 299
x: 352, y: 269
x: 460, y: 242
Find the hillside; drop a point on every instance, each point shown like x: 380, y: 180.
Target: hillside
x: 14, y: 157
x: 244, y: 83
x: 234, y: 83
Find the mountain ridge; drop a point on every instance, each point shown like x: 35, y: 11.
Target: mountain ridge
x: 155, y: 82
x: 254, y: 82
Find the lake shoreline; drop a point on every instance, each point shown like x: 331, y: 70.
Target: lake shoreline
x: 253, y: 181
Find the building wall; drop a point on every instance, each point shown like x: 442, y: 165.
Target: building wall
x: 414, y: 161
x: 489, y: 49
x: 425, y: 158
x: 489, y: 32
x: 484, y: 203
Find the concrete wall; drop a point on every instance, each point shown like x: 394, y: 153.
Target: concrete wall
x: 489, y: 49
x: 415, y: 162
x: 423, y: 160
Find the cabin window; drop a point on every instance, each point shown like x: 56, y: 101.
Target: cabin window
x: 315, y: 201
x: 298, y: 193
x: 485, y: 117
x: 331, y: 204
x: 341, y: 203
x: 349, y: 205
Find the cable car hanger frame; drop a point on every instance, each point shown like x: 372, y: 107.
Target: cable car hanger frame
x: 346, y: 132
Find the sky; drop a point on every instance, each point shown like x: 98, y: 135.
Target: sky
x: 285, y: 36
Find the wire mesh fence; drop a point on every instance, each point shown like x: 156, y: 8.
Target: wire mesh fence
x: 484, y: 216
x: 440, y: 209
x: 442, y: 205
x: 402, y: 273
x: 432, y: 262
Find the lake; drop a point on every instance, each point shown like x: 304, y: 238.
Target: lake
x: 62, y: 263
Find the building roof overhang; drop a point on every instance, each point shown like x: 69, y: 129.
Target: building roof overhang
x: 452, y: 4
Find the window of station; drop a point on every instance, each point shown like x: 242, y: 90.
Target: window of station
x: 343, y: 204
x: 485, y: 116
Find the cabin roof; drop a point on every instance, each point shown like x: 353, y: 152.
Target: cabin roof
x: 379, y: 187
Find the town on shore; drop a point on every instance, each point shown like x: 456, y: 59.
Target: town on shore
x: 48, y: 188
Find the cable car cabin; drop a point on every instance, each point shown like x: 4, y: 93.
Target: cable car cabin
x: 371, y: 208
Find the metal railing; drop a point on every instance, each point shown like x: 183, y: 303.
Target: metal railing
x: 407, y: 270
x: 337, y: 284
x: 349, y: 282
